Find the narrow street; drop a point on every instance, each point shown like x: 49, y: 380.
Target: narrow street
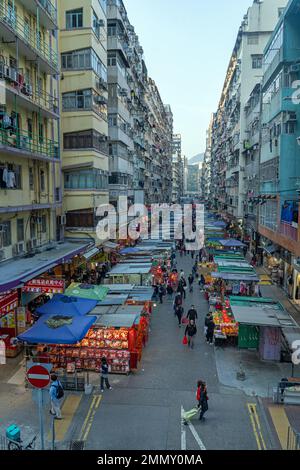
x: 143, y: 411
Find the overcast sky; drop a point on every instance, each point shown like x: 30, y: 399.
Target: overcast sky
x: 187, y: 48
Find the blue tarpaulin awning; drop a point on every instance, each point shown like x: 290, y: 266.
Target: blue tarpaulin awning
x: 231, y: 242
x: 73, y: 329
x: 62, y: 304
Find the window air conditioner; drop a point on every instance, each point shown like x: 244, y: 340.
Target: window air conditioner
x: 295, y: 68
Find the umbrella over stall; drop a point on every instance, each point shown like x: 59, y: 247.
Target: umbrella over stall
x: 67, y: 305
x: 87, y: 291
x: 231, y: 242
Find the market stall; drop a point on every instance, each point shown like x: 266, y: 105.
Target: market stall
x: 12, y: 321
x: 87, y: 291
x: 62, y: 304
x: 261, y: 321
x: 139, y: 274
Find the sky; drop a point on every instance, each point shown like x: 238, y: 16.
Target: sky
x: 187, y: 46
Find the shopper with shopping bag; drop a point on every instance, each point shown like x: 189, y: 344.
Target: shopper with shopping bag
x: 190, y: 332
x: 202, y: 398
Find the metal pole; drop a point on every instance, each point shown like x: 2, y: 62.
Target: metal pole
x: 53, y: 433
x: 293, y: 369
x: 40, y: 392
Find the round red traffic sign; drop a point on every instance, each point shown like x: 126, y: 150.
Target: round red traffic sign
x: 38, y: 376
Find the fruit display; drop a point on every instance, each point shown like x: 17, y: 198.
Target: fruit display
x: 225, y: 323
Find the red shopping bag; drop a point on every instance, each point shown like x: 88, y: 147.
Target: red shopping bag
x: 185, y: 341
x: 185, y: 321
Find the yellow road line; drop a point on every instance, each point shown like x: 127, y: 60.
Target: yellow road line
x: 281, y: 424
x: 87, y: 417
x: 254, y: 408
x: 90, y: 417
x: 68, y: 411
x: 254, y: 427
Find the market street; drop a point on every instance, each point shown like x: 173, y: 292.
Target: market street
x: 143, y: 411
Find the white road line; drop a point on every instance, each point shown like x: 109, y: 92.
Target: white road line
x: 183, y: 432
x: 193, y: 431
x: 196, y: 436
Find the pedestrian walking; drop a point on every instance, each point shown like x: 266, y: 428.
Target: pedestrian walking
x: 202, y: 398
x: 56, y: 393
x: 207, y: 319
x: 192, y: 314
x: 170, y: 291
x: 161, y: 293
x: 155, y: 292
x: 179, y: 311
x: 192, y: 254
x: 104, y: 375
x: 210, y: 332
x: 202, y: 282
x: 182, y: 275
x: 190, y: 332
x: 191, y: 281
x: 177, y: 300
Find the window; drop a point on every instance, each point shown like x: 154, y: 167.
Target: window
x: 96, y: 25
x: 42, y: 180
x: 289, y: 127
x: 31, y: 179
x: 32, y: 229
x: 29, y: 128
x: 86, y: 140
x: 84, y: 59
x: 111, y: 60
x: 257, y: 61
x: 41, y: 133
x: 20, y: 230
x: 80, y: 99
x: 86, y: 179
x: 5, y: 235
x: 253, y: 39
x: 74, y: 19
x: 112, y: 29
x: 44, y: 224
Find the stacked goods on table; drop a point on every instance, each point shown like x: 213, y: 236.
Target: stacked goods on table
x: 109, y: 343
x: 225, y: 324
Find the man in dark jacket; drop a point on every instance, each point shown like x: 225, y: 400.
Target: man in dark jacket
x: 179, y: 313
x: 190, y: 332
x: 192, y: 314
x: 210, y: 332
x: 203, y: 402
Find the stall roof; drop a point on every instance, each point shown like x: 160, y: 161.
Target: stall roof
x: 117, y: 320
x: 291, y: 335
x: 119, y: 299
x: 67, y: 305
x: 87, y: 291
x: 111, y: 245
x: 118, y: 309
x: 236, y: 269
x: 233, y: 264
x: 137, y: 268
x: 71, y: 333
x: 246, y: 301
x: 262, y: 315
x: 232, y: 242
x: 235, y: 277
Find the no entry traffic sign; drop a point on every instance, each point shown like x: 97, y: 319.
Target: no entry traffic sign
x: 38, y: 376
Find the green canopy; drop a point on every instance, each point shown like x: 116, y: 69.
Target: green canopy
x: 236, y: 269
x: 86, y: 291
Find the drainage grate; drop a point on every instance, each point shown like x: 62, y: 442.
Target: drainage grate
x: 76, y: 445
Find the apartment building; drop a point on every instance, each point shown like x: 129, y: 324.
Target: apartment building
x: 84, y: 119
x: 178, y: 169
x: 280, y: 151
x: 229, y: 127
x: 140, y: 127
x: 206, y: 169
x: 30, y: 182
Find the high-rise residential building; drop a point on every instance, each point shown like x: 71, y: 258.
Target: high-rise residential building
x: 206, y: 169
x: 30, y: 183
x: 230, y: 127
x: 140, y: 126
x: 84, y: 120
x: 279, y: 169
x: 193, y: 181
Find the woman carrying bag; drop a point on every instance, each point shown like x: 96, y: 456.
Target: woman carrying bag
x: 202, y: 399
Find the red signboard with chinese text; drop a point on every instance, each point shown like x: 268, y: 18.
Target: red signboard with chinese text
x: 8, y: 302
x: 45, y: 286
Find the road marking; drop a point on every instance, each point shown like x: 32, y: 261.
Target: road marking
x: 194, y: 432
x: 254, y: 418
x: 183, y: 432
x: 90, y: 417
x: 68, y: 411
x: 281, y: 424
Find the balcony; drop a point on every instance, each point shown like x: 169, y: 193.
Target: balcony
x: 18, y: 142
x: 30, y: 44
x: 115, y: 43
x: 47, y: 12
x: 289, y: 231
x: 29, y: 97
